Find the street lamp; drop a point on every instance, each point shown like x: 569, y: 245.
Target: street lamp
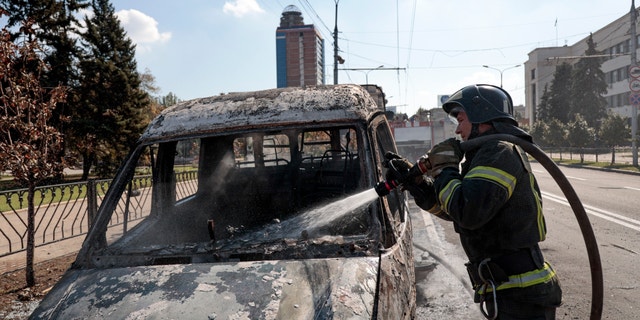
x: 366, y: 74
x: 501, y: 71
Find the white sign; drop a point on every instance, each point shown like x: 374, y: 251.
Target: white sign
x: 442, y: 99
x: 634, y: 71
x: 634, y: 85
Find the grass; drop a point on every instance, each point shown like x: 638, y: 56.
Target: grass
x: 19, y: 201
x: 604, y: 165
x: 43, y: 195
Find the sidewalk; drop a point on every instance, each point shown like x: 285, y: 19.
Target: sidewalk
x: 443, y: 289
x: 18, y: 260
x: 597, y: 168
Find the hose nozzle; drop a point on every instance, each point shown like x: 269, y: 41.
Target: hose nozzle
x: 383, y: 188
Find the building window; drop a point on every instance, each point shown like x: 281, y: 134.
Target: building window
x: 627, y: 45
x: 533, y: 92
x: 625, y: 73
x: 533, y: 74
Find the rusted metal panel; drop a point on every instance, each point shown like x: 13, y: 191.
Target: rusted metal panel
x: 267, y: 107
x: 397, y: 279
x: 308, y: 289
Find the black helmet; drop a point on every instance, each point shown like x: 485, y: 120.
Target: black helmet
x: 482, y: 103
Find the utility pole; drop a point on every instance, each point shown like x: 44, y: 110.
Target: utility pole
x: 634, y: 105
x: 371, y: 69
x: 335, y: 47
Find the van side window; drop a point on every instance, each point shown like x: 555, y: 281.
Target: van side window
x: 185, y: 167
x: 262, y: 150
x: 314, y: 144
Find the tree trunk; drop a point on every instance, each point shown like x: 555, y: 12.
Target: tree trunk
x: 613, y: 155
x: 30, y: 273
x: 87, y: 161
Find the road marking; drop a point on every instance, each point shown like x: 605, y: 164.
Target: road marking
x: 568, y: 177
x: 610, y: 216
x: 632, y: 188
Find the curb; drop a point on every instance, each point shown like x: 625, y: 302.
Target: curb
x: 599, y: 169
x: 425, y: 235
x: 578, y: 166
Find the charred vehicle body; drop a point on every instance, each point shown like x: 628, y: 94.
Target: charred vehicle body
x: 231, y: 223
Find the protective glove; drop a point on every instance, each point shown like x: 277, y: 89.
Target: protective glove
x: 398, y: 168
x: 446, y: 154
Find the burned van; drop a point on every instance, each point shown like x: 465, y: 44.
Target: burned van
x: 254, y: 205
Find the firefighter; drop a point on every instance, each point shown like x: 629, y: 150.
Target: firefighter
x: 495, y: 205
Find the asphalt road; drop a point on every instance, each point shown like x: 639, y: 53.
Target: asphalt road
x: 611, y: 201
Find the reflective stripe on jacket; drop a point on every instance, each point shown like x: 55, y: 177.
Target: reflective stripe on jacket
x: 494, y: 201
x: 524, y: 280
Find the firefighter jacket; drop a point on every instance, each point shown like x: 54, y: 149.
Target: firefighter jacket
x: 494, y: 201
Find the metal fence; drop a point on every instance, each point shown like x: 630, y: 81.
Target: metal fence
x: 66, y: 211
x: 618, y: 155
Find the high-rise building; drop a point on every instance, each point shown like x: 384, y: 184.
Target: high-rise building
x: 299, y: 51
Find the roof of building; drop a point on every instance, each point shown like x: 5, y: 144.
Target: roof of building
x: 291, y: 8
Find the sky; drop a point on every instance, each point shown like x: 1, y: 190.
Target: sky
x: 426, y: 48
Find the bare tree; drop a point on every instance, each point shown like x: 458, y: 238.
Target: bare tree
x: 29, y: 145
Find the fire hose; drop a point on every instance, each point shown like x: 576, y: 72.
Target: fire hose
x: 578, y: 209
x: 571, y: 196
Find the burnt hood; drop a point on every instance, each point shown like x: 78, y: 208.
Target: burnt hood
x: 283, y: 289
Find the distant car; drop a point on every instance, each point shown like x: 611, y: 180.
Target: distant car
x: 223, y: 225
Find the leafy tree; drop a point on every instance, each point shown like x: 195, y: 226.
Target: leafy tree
x: 539, y: 132
x: 579, y: 134
x: 169, y: 100
x: 114, y: 105
x: 148, y: 84
x: 543, y: 110
x: 614, y: 131
x: 422, y: 114
x: 520, y: 117
x: 555, y: 135
x: 29, y: 145
x: 56, y: 21
x: 560, y: 93
x: 589, y: 86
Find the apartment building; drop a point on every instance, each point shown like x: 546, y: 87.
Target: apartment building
x: 613, y: 41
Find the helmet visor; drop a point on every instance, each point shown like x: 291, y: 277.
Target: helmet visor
x: 453, y: 114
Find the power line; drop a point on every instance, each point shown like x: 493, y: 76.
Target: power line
x: 307, y: 6
x: 413, y: 20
